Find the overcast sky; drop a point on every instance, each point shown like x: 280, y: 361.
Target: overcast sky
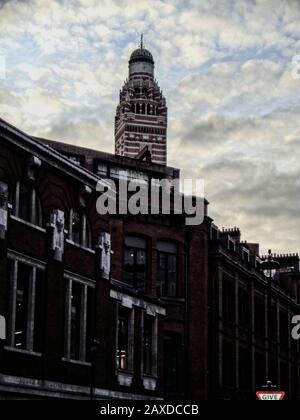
x: 226, y: 70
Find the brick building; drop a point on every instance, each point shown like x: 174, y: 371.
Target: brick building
x: 123, y: 306
x: 238, y: 362
x: 80, y: 320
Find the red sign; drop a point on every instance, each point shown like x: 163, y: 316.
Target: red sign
x: 270, y: 396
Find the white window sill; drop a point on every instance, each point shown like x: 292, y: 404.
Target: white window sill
x: 22, y: 351
x: 91, y: 251
x: 125, y: 378
x: 76, y: 362
x: 149, y: 382
x: 24, y: 222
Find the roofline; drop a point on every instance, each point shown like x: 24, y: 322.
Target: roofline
x: 47, y: 154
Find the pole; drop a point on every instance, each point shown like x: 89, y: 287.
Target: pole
x: 269, y: 309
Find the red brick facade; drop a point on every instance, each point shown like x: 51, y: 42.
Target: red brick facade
x: 93, y: 334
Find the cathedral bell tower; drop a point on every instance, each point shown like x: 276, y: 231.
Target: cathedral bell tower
x: 142, y: 115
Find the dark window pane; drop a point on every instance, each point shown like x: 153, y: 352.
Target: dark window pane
x: 129, y: 265
x: 228, y: 301
x: 38, y: 312
x: 88, y: 234
x: 123, y: 339
x: 76, y: 308
x: 260, y: 370
x: 244, y: 309
x: 37, y: 216
x: 24, y: 273
x: 135, y: 263
x: 89, y: 326
x: 259, y: 312
x: 148, y: 345
x: 76, y: 227
x: 25, y: 203
x: 172, y: 275
x: 167, y: 269
x: 245, y: 369
x: 171, y: 349
x: 161, y: 274
x: 229, y: 364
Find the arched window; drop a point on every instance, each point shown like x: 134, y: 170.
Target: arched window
x: 143, y: 109
x: 135, y: 262
x: 137, y: 108
x: 167, y: 267
x: 148, y: 109
x: 27, y: 205
x: 80, y: 229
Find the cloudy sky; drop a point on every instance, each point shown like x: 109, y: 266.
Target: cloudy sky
x: 226, y: 68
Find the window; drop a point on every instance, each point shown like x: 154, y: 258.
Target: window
x: 125, y: 339
x: 25, y: 304
x: 148, y: 345
x: 78, y: 160
x: 229, y: 369
x: 244, y: 308
x: 245, y: 368
x: 129, y: 175
x: 79, y: 229
x: 228, y: 300
x: 118, y: 173
x: 27, y: 205
x: 135, y: 262
x: 284, y: 331
x: 260, y: 370
x: 102, y: 169
x: 167, y: 269
x: 259, y: 312
x: 78, y: 320
x: 171, y: 354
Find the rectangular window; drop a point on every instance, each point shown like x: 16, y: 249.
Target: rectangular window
x: 78, y: 320
x: 79, y: 229
x: 167, y: 269
x: 78, y: 160
x: 229, y: 368
x: 148, y: 345
x: 260, y: 370
x: 245, y: 368
x: 259, y: 311
x: 244, y: 309
x: 25, y: 304
x: 228, y: 300
x: 125, y: 339
x: 27, y: 205
x: 171, y: 356
x: 102, y: 169
x: 135, y: 263
x: 284, y: 331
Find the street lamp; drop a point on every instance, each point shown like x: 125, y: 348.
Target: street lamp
x: 269, y: 268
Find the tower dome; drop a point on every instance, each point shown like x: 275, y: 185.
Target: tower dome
x: 141, y: 55
x: 141, y: 62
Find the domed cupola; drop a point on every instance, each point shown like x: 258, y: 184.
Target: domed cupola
x: 141, y: 62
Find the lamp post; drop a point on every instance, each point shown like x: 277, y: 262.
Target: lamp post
x: 269, y: 268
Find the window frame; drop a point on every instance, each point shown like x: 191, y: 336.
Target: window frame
x: 35, y: 216
x: 154, y: 346
x: 71, y: 278
x: 85, y: 233
x: 35, y: 265
x: 130, y: 340
x: 136, y: 249
x: 164, y: 287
